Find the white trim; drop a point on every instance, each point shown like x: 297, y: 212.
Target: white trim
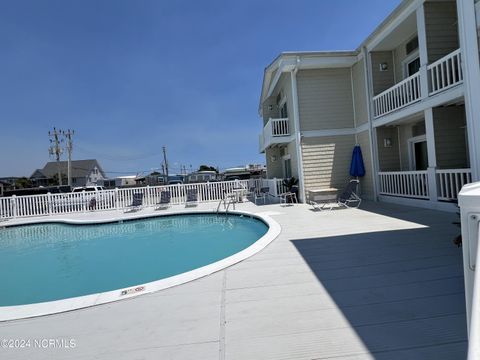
x: 446, y: 96
x: 298, y: 135
x: 371, y: 131
x: 363, y: 127
x: 409, y: 59
x: 329, y: 132
x: 57, y: 306
x: 411, y: 150
x: 378, y: 36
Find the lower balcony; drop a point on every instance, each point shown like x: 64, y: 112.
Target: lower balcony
x: 276, y: 131
x: 415, y: 184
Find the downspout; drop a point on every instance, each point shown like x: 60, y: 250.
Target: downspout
x: 373, y: 137
x: 298, y: 135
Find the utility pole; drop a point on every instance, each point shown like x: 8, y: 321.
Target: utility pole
x: 55, y: 149
x: 68, y: 136
x: 165, y: 161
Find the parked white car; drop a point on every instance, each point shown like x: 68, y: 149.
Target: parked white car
x: 85, y: 196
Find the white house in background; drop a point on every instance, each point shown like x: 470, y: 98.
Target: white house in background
x: 127, y: 180
x: 408, y: 95
x: 84, y: 173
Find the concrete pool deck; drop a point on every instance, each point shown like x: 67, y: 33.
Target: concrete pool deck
x: 381, y: 282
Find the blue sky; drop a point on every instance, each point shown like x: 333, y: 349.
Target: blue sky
x: 132, y: 76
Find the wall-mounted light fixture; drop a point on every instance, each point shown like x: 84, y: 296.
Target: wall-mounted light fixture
x: 387, y: 142
x: 270, y: 107
x: 273, y: 158
x: 384, y: 66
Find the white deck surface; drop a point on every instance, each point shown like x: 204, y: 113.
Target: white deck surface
x: 384, y: 282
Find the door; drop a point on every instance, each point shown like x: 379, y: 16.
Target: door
x: 421, y: 155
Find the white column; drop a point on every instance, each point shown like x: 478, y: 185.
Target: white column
x: 467, y: 31
x: 371, y: 130
x: 298, y: 136
x: 422, y: 50
x: 432, y: 157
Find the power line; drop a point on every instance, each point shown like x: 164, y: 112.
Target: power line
x: 56, y: 150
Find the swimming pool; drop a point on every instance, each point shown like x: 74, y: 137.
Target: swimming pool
x: 50, y: 262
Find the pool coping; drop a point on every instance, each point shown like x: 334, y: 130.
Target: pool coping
x: 17, y: 312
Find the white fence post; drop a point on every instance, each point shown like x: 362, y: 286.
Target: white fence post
x: 49, y: 203
x: 116, y: 198
x: 14, y: 206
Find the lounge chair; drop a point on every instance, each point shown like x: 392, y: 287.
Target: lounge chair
x: 289, y: 196
x: 262, y: 194
x: 192, y: 197
x: 137, y: 202
x: 349, y: 198
x: 165, y: 198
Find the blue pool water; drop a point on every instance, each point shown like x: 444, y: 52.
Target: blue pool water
x: 54, y: 261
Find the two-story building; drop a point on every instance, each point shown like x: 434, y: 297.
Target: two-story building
x: 406, y: 95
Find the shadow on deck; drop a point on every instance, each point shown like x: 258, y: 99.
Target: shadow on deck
x: 401, y: 291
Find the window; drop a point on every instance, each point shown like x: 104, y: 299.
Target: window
x: 412, y: 67
x: 283, y: 111
x: 412, y: 45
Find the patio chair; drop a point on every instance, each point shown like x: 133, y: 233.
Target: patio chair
x: 289, y: 196
x: 349, y: 198
x: 137, y: 202
x: 192, y: 197
x: 262, y: 194
x: 165, y: 198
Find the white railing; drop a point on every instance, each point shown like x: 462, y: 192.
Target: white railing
x: 280, y: 127
x: 117, y: 199
x: 445, y: 72
x: 413, y: 184
x: 451, y: 181
x: 274, y: 132
x: 400, y: 95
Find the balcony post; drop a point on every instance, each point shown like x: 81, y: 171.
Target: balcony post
x: 432, y: 157
x: 422, y: 51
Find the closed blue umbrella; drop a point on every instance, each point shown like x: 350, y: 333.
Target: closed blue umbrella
x: 357, y: 168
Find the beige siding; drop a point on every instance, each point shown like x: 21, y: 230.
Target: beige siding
x: 382, y: 80
x: 366, y: 182
x: 291, y: 150
x: 388, y: 157
x: 359, y: 93
x: 450, y: 144
x: 325, y: 99
x: 399, y: 55
x: 326, y: 161
x: 441, y: 28
x: 274, y: 167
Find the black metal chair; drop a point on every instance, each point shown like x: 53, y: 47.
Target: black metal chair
x: 165, y: 199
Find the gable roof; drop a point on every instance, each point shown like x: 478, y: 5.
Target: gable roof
x: 80, y: 168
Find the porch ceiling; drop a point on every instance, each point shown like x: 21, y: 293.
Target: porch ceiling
x: 401, y: 33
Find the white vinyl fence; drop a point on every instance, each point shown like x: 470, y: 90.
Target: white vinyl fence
x: 118, y: 199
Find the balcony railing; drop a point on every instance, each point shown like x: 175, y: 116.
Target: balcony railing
x: 445, y: 72
x: 276, y: 131
x: 442, y: 75
x: 402, y: 94
x: 451, y: 181
x: 412, y: 184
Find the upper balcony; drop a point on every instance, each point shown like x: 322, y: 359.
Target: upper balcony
x: 441, y: 75
x: 276, y: 131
